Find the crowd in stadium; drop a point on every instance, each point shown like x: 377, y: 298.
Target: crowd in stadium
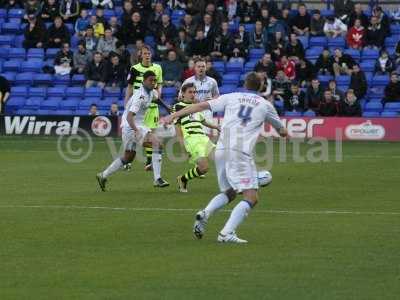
x: 340, y: 62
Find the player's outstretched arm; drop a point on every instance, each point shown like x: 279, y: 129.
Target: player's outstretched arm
x: 210, y: 125
x: 191, y: 109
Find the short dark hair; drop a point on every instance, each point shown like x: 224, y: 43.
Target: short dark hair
x: 148, y: 74
x: 187, y: 86
x: 199, y: 59
x: 253, y: 81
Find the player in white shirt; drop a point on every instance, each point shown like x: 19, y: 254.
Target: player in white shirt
x: 134, y: 132
x: 206, y: 86
x: 245, y: 114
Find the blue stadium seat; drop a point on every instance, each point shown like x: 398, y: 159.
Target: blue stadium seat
x: 15, y: 103
x: 7, y: 40
x: 392, y: 106
x: 26, y: 112
x: 314, y: 52
x: 93, y: 92
x: 74, y: 41
x: 12, y: 65
x: 25, y: 78
x: 38, y: 92
x: 389, y: 114
x: 43, y: 80
x: 10, y: 76
x: 69, y: 104
x: 3, y: 13
x: 18, y: 41
x: 10, y: 28
x: 380, y: 80
x: 327, y: 13
x: 33, y: 65
x: 249, y: 66
x: 19, y: 91
x: 74, y: 92
x: 227, y: 88
x: 108, y: 13
x: 370, y: 54
x: 16, y: 13
x: 33, y: 103
x: 354, y: 53
x: 371, y: 114
x: 63, y: 112
x: 373, y: 106
x: 35, y: 53
x: 343, y: 80
x: 337, y: 42
x: 367, y: 66
x: 106, y: 103
x: 81, y: 112
x: 376, y: 92
x: 391, y: 41
x: 56, y: 92
x: 304, y: 41
x: 114, y: 93
x: 52, y: 103
x: 4, y: 52
x: 78, y: 80
x: 86, y: 103
x: 319, y: 41
x: 375, y: 99
x: 292, y: 114
x: 324, y: 79
x: 167, y: 92
x: 43, y: 112
x: 16, y: 53
x: 232, y: 67
x: 395, y: 29
x: 219, y: 66
x: 231, y: 79
x: 61, y: 80
x: 256, y: 54
x: 51, y: 53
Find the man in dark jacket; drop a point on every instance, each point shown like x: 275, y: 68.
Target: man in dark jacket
x: 200, y: 45
x: 35, y: 34
x: 295, y: 99
x: 58, y: 34
x: 324, y: 63
x: 115, y: 73
x: 375, y: 34
x: 392, y: 90
x: 133, y: 30
x: 342, y: 63
x: 95, y: 71
x: 314, y: 94
x: 328, y: 107
x: 295, y: 48
x: 265, y: 64
x: 358, y: 82
x: 350, y: 107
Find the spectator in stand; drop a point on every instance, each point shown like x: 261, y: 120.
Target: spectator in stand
x: 294, y: 99
x: 127, y: 9
x: 358, y: 82
x: 304, y: 72
x: 314, y: 95
x: 216, y: 15
x: 248, y: 11
x: 288, y: 67
x: 166, y: 28
x: 258, y: 38
x: 383, y: 20
x: 238, y: 51
x: 210, y: 71
x: 324, y: 63
x: 69, y: 10
x: 90, y: 40
x: 384, y: 64
x: 375, y: 37
x: 161, y: 47
x: 172, y: 70
x: 244, y: 36
x: 277, y: 42
x: 301, y: 22
x: 356, y: 35
x: 266, y: 65
x: 189, y: 71
x: 50, y: 10
x: 285, y: 19
x: 114, y: 111
x: 328, y: 107
x: 334, y: 28
x: 82, y: 23
x: 137, y: 52
x: 264, y: 17
x: 270, y: 5
x: 317, y: 24
x: 280, y: 85
x: 95, y: 72
x: 266, y: 89
x: 200, y: 46
x: 358, y: 14
x: 208, y: 27
x: 274, y: 26
x: 154, y: 21
x: 133, y: 30
x: 343, y: 8
x: 12, y: 4
x: 343, y: 63
x: 93, y: 110
x: 337, y: 94
x: 98, y: 27
x: 350, y: 107
x: 295, y: 49
x: 396, y: 55
x: 5, y: 89
x: 392, y: 90
x: 58, y: 34
x: 103, y: 3
x: 100, y: 16
x: 183, y: 43
x: 35, y: 34
x: 232, y: 10
x: 81, y: 58
x: 107, y: 43
x: 217, y: 51
x: 33, y: 8
x: 124, y: 55
x: 63, y: 62
x: 115, y: 74
x: 144, y: 6
x: 115, y: 28
x: 188, y: 25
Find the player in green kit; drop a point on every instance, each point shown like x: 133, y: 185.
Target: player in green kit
x: 197, y: 143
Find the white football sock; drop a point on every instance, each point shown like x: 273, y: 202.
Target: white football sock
x: 216, y: 203
x: 156, y: 163
x: 239, y: 213
x: 114, y: 167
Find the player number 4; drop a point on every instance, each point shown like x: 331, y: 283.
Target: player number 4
x: 245, y: 114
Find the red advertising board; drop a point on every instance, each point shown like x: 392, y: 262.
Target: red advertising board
x: 365, y: 129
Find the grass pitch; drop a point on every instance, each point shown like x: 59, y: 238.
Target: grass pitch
x: 327, y: 230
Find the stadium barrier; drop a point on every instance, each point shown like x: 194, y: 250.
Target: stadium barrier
x: 101, y: 126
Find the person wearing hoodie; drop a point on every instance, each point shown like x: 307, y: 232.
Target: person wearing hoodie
x: 356, y: 36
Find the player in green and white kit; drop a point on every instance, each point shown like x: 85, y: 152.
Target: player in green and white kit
x: 197, y: 143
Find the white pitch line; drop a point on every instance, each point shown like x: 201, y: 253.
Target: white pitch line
x: 159, y: 209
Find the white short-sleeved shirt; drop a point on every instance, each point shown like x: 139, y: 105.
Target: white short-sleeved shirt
x: 206, y: 89
x: 138, y: 104
x: 244, y: 117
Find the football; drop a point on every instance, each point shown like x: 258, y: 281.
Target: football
x: 264, y: 178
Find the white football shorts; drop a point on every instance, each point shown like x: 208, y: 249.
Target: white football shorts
x: 129, y: 140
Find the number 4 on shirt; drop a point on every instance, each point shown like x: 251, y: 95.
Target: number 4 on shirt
x: 245, y: 114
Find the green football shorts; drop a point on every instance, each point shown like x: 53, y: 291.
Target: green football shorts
x: 198, y: 146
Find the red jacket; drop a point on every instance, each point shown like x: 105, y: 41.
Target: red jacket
x: 355, y: 37
x: 289, y: 69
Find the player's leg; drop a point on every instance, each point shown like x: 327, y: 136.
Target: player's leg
x: 151, y: 139
x: 199, y: 169
x: 149, y: 154
x: 129, y: 155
